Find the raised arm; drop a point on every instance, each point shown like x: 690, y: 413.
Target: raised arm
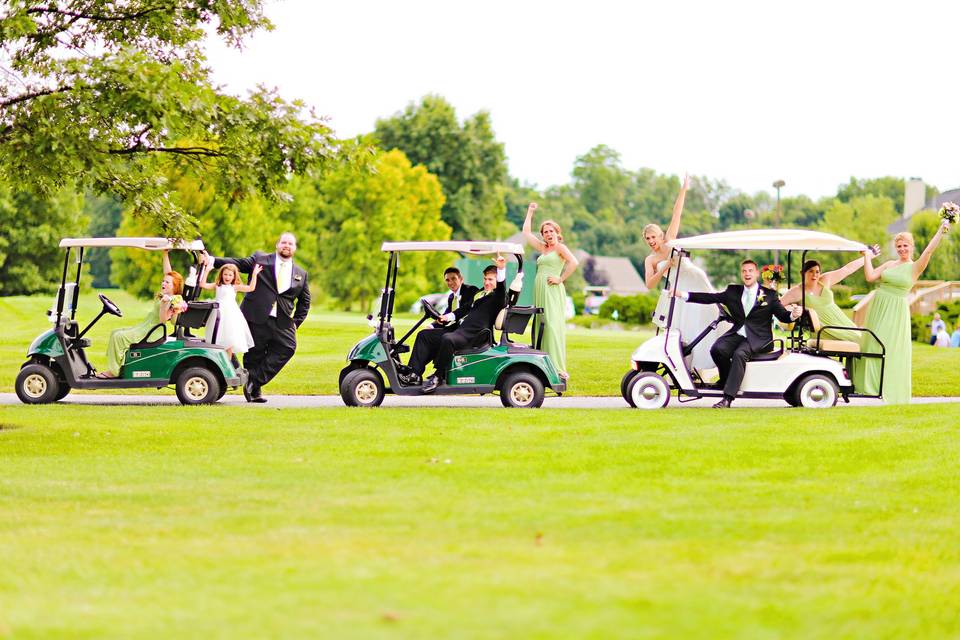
x: 674, y: 226
x: 245, y: 265
x: 246, y: 288
x: 205, y: 272
x: 871, y: 273
x: 534, y: 241
x: 831, y: 278
x: 793, y: 293
x: 166, y: 262
x: 921, y: 264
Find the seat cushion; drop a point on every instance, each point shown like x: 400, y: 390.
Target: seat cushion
x: 840, y: 346
x: 765, y: 357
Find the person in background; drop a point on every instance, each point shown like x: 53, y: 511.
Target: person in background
x: 955, y: 337
x: 936, y: 327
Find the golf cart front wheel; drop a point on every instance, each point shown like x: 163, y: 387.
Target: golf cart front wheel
x: 521, y: 390
x: 817, y: 391
x: 37, y: 384
x: 625, y: 386
x: 197, y: 385
x: 362, y: 388
x: 648, y: 390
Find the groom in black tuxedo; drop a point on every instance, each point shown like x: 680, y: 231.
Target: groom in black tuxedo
x: 274, y: 311
x: 752, y: 309
x: 481, y: 316
x: 427, y: 343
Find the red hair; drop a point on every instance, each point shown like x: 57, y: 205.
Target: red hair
x: 177, y: 282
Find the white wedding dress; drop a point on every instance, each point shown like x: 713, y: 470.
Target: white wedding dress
x: 233, y: 331
x: 690, y: 319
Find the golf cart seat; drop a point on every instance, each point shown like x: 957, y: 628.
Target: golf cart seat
x: 514, y: 320
x: 481, y: 343
x: 196, y: 317
x: 825, y: 345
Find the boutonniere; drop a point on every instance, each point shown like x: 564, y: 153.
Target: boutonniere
x: 298, y: 278
x: 761, y: 298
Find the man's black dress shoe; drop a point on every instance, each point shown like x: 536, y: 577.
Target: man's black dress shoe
x: 431, y: 383
x: 409, y: 379
x: 258, y: 398
x: 248, y: 391
x: 723, y: 404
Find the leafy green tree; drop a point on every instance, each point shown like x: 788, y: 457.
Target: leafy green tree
x: 888, y: 186
x: 863, y: 218
x: 469, y: 162
x: 104, y: 214
x: 114, y: 97
x: 361, y: 210
x: 30, y: 232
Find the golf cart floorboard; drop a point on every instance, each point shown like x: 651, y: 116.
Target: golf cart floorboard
x: 120, y: 383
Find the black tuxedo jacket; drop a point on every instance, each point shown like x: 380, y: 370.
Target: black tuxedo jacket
x: 758, y: 322
x: 292, y: 305
x: 467, y: 293
x: 483, y: 312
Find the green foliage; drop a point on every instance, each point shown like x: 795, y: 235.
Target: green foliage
x: 862, y: 218
x: 359, y: 211
x: 636, y: 309
x: 30, y: 231
x: 104, y: 214
x: 950, y: 312
x: 467, y: 159
x: 945, y: 262
x: 116, y: 97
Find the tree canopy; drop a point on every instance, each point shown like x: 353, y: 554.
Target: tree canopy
x: 114, y: 97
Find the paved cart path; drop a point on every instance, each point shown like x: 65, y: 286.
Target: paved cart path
x: 308, y: 402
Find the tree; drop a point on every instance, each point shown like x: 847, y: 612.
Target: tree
x: 30, y: 231
x: 469, y: 162
x: 945, y: 263
x: 104, y: 214
x: 864, y: 218
x: 360, y: 210
x: 113, y: 97
x: 888, y: 186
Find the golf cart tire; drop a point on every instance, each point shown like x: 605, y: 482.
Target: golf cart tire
x: 648, y: 390
x: 37, y: 384
x: 817, y: 391
x: 625, y: 386
x: 64, y: 390
x: 362, y: 388
x: 197, y: 385
x: 521, y: 390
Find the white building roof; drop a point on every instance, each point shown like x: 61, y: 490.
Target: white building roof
x: 151, y: 244
x: 473, y: 247
x: 765, y: 239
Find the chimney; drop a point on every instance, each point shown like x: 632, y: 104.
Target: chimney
x: 914, y: 197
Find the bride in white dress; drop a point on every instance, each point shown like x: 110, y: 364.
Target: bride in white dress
x: 690, y: 319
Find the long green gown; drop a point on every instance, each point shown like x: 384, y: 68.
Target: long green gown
x: 889, y: 318
x: 553, y: 299
x: 830, y: 314
x: 121, y: 339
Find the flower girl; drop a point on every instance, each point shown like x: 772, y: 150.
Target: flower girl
x: 233, y: 332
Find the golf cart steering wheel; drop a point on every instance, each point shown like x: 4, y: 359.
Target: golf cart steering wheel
x: 429, y: 309
x: 110, y: 307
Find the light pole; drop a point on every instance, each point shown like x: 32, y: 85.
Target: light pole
x: 776, y: 217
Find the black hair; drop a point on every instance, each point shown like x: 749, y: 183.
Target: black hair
x: 491, y: 269
x: 452, y: 270
x: 750, y: 261
x: 809, y: 264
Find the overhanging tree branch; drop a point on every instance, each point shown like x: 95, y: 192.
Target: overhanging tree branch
x: 35, y: 94
x: 184, y: 151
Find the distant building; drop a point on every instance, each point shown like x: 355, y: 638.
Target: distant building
x: 914, y: 200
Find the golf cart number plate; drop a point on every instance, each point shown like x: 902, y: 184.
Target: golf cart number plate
x: 141, y: 374
x: 466, y: 380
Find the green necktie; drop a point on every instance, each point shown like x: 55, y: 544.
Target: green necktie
x: 455, y: 303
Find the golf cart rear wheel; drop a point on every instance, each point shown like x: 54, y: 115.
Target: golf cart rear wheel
x: 198, y: 385
x: 648, y: 390
x: 37, y: 384
x: 817, y: 391
x: 362, y: 388
x: 522, y: 390
x: 625, y: 386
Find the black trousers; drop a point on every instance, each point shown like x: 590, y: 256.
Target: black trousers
x: 450, y: 342
x: 425, y: 348
x: 273, y: 346
x: 730, y: 353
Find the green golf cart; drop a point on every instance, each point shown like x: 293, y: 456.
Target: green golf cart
x: 519, y: 373
x: 201, y: 372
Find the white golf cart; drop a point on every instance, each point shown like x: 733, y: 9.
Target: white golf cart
x: 804, y: 370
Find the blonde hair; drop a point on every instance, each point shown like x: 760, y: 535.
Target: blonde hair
x: 904, y: 235
x: 652, y: 227
x: 229, y: 267
x: 555, y: 226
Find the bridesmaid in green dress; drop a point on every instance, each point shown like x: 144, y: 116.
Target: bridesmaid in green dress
x: 161, y: 311
x: 889, y: 317
x: 819, y: 297
x: 555, y: 264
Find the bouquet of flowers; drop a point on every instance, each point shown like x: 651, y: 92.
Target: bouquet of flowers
x: 771, y: 273
x: 176, y: 303
x: 950, y: 212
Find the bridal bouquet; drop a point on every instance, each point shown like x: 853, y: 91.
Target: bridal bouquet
x: 950, y: 212
x: 176, y: 303
x: 771, y: 273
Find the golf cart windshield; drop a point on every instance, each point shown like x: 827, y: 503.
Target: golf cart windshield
x: 471, y: 247
x: 769, y: 239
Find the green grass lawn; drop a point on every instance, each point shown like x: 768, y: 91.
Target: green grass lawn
x: 225, y: 522
x: 597, y: 358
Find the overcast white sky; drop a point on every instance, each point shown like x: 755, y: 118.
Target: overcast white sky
x: 811, y: 92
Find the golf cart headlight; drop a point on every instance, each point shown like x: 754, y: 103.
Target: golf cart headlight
x: 635, y: 365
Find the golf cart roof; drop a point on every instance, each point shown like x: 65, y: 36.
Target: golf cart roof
x: 765, y: 239
x: 474, y: 247
x: 151, y: 244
